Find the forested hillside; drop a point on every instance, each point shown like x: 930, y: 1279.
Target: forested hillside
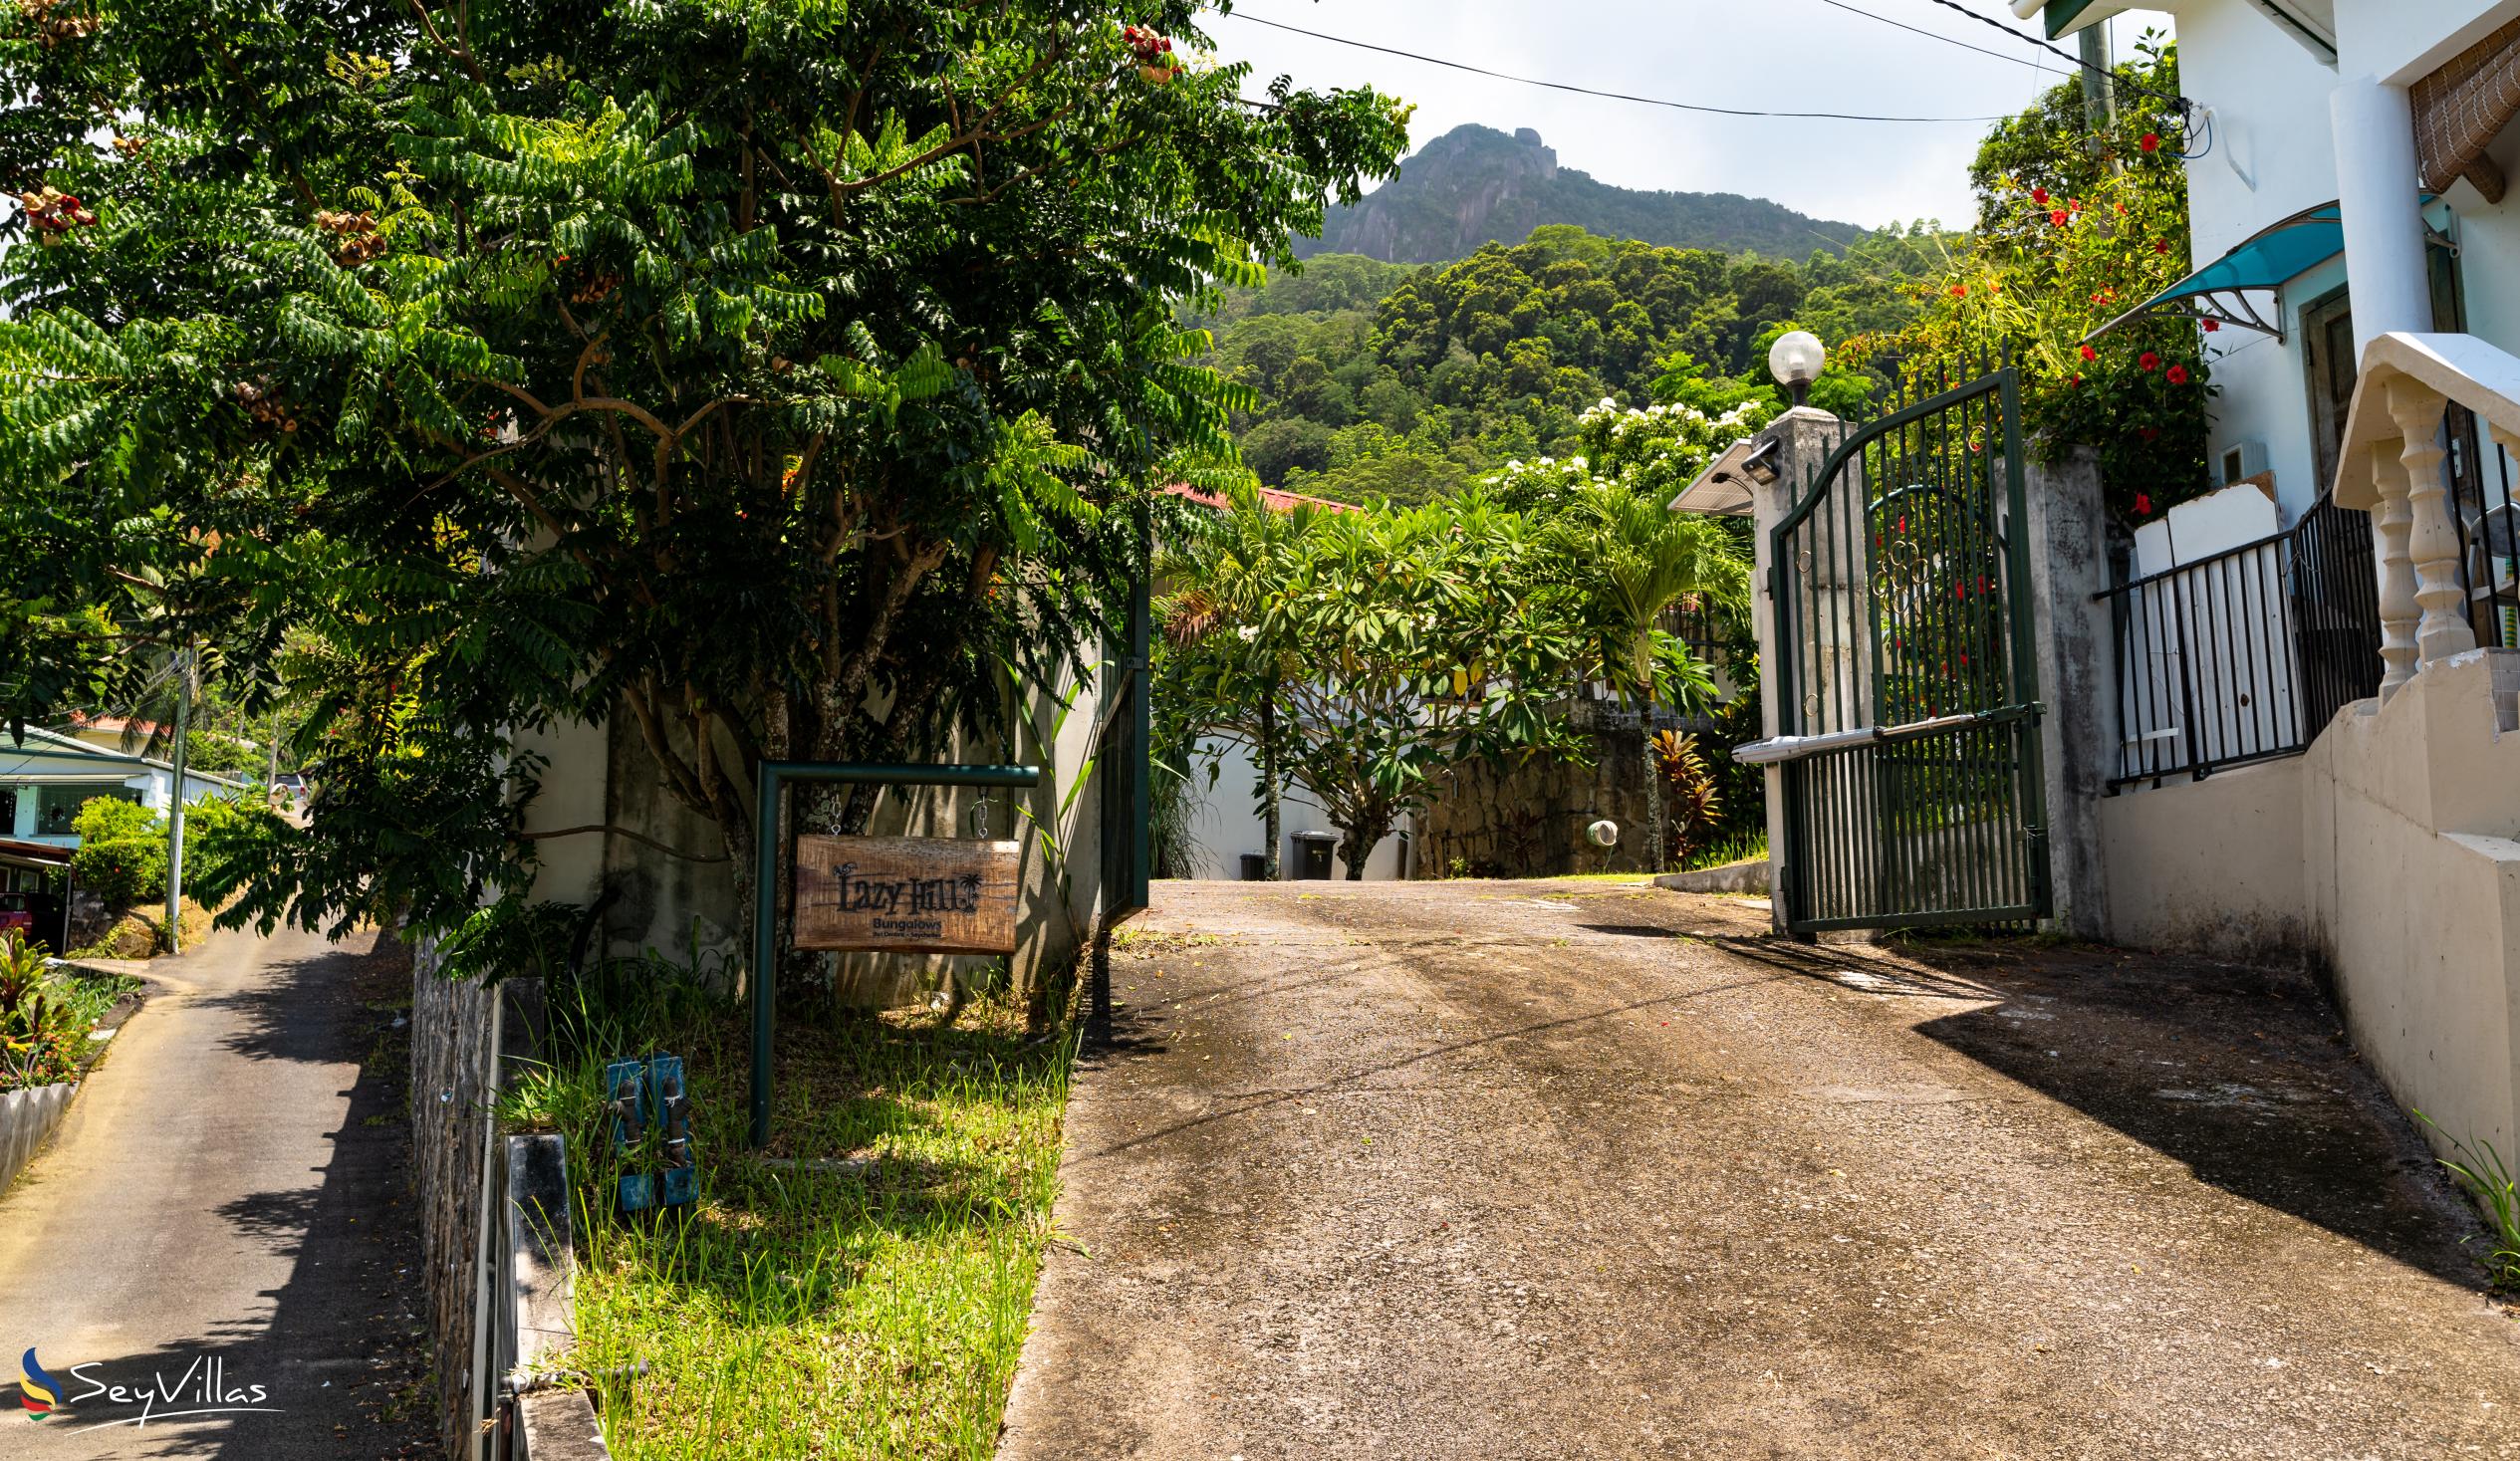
x: 1475, y: 185
x: 1375, y: 378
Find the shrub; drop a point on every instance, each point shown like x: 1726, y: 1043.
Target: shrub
x: 122, y: 853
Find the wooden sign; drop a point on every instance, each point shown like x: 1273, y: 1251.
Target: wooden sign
x: 905, y: 895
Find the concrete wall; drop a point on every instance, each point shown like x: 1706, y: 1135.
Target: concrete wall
x: 2387, y: 857
x: 27, y: 1117
x: 1225, y: 821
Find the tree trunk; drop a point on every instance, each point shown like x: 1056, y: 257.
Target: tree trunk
x: 1654, y: 850
x: 1272, y: 812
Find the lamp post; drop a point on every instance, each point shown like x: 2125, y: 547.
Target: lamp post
x: 1796, y: 361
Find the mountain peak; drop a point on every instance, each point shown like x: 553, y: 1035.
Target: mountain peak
x: 1475, y: 185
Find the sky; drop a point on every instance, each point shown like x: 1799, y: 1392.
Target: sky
x: 1780, y: 55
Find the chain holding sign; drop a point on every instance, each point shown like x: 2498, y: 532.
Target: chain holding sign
x: 905, y: 895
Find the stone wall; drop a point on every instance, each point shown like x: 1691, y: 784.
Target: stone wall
x: 452, y: 1092
x: 1526, y: 818
x: 451, y: 1035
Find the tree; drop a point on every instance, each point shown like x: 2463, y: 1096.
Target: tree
x: 766, y: 374
x: 2064, y: 246
x: 1229, y: 650
x: 1634, y: 559
x: 1427, y: 636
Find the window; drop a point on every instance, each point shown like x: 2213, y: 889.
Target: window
x: 56, y: 807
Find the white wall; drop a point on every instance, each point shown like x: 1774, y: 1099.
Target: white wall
x: 2400, y: 41
x: 2390, y: 854
x: 1225, y: 819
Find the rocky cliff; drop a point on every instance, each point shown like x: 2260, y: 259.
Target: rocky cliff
x: 1475, y: 184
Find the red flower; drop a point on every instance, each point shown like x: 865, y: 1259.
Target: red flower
x: 1959, y: 291
x: 2152, y: 142
x: 2149, y: 434
x: 2077, y: 380
x: 2088, y: 354
x: 2179, y: 375
x: 2160, y: 245
x: 2058, y: 217
x: 2039, y: 195
x: 2212, y: 325
x: 2143, y: 505
x: 2147, y: 362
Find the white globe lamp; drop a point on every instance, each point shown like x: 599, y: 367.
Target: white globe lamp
x: 1796, y: 361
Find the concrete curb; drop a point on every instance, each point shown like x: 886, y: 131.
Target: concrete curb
x: 25, y: 1117
x: 1749, y: 875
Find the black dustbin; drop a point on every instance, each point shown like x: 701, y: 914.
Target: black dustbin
x: 1255, y: 866
x: 1313, y: 852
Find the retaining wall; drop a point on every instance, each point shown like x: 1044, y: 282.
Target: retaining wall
x: 25, y: 1117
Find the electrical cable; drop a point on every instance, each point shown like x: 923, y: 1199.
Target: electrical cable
x: 1934, y: 35
x: 1590, y: 92
x: 2181, y: 105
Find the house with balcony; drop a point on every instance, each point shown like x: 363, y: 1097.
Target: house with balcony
x: 2313, y: 744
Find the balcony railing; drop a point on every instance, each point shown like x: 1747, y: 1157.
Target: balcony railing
x: 2247, y: 655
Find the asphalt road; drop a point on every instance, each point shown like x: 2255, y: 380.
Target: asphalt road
x: 220, y: 1224
x: 1487, y: 1170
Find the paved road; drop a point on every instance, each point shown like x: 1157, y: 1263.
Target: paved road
x: 1486, y: 1170
x: 223, y: 1208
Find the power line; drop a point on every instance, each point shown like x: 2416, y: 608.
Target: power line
x: 1934, y: 35
x: 2181, y: 105
x: 1590, y: 92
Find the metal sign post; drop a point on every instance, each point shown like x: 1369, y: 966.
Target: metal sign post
x: 770, y: 784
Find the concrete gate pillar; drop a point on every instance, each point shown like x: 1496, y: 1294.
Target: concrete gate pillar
x: 2068, y: 539
x: 1804, y: 437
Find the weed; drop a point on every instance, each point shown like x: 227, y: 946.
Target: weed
x: 2489, y: 1182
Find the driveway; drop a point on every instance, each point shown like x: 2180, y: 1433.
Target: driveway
x: 1503, y: 1171
x: 222, y: 1213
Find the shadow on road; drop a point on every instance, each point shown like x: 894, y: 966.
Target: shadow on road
x: 338, y: 1353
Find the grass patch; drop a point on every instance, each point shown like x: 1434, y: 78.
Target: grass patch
x: 2487, y: 1179
x: 795, y: 1312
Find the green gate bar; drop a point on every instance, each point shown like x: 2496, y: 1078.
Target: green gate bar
x: 769, y: 790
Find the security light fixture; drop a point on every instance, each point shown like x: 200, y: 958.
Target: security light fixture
x: 1795, y: 361
x: 1760, y: 465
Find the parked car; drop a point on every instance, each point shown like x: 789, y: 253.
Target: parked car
x: 31, y: 915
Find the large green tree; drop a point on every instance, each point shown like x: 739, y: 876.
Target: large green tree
x: 766, y: 373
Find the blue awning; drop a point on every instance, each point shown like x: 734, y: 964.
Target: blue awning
x: 2266, y: 260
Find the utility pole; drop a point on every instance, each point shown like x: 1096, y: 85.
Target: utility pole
x: 2100, y: 95
x: 174, y: 809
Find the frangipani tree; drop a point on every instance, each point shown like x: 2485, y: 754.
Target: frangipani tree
x: 1426, y: 636
x: 1229, y: 648
x: 765, y: 373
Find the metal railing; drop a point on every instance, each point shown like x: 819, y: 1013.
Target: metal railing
x: 2488, y: 522
x: 2245, y: 655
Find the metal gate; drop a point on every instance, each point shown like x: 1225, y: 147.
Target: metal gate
x: 1906, y: 674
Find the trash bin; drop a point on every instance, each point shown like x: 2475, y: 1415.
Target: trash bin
x: 1255, y: 866
x: 1313, y: 852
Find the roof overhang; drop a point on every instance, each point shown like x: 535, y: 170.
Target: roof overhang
x: 25, y: 853
x: 2262, y: 263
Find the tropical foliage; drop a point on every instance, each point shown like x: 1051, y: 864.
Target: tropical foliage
x: 770, y: 375
x: 1371, y: 380
x: 121, y: 852
x: 2076, y: 229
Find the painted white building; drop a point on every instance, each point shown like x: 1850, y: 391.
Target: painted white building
x: 44, y: 779
x: 2354, y: 235
x: 2307, y: 156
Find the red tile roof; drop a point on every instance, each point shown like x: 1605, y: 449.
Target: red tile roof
x: 1270, y: 498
